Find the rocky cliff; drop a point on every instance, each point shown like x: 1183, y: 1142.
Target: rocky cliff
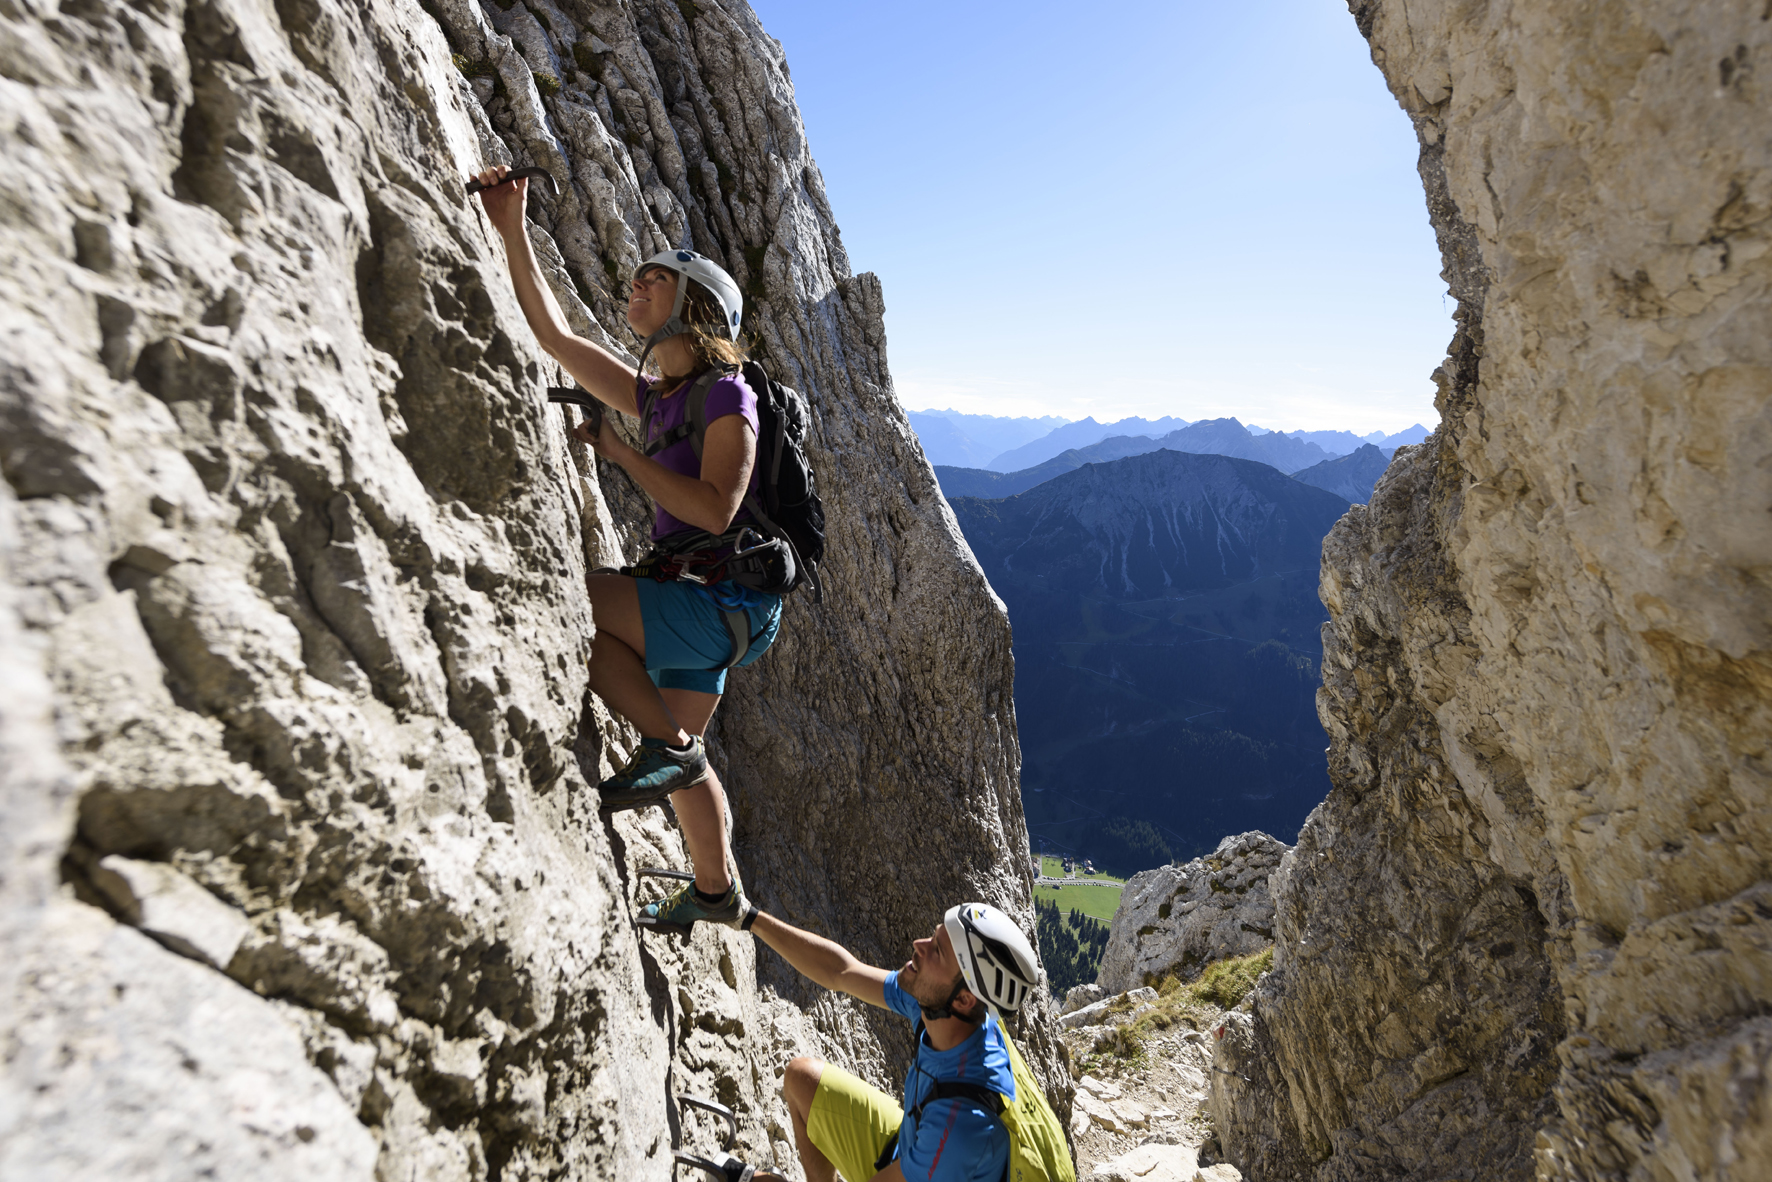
x: 303, y: 873
x: 1177, y: 919
x: 1530, y: 931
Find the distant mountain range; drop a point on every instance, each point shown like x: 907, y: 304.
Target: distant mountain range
x: 971, y: 441
x: 1011, y: 445
x: 1404, y: 438
x: 1166, y: 624
x: 1224, y: 437
x: 1079, y: 435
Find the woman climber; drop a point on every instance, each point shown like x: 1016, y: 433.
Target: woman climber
x: 668, y: 628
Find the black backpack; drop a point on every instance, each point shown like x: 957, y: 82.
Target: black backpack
x: 786, y: 503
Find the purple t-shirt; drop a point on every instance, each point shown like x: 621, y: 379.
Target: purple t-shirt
x: 727, y: 396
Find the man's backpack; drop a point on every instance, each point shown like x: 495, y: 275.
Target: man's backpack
x: 786, y: 503
x: 1038, y: 1151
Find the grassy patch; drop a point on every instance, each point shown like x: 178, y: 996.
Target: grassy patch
x: 1053, y: 867
x: 471, y: 69
x: 1098, y: 901
x: 1223, y: 985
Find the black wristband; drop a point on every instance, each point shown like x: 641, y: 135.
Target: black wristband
x: 750, y: 916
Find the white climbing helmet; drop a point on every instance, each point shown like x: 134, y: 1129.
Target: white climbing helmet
x: 995, y: 958
x: 686, y: 263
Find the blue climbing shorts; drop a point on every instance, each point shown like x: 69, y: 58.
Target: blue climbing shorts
x: 686, y: 634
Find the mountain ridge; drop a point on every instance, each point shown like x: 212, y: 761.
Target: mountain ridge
x: 1080, y: 434
x: 1352, y: 476
x: 1208, y: 437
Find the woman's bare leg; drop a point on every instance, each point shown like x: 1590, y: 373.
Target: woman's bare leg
x: 618, y: 660
x: 701, y: 808
x: 618, y: 676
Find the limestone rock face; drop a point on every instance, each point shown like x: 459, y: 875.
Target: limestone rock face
x: 1079, y: 996
x: 1528, y: 933
x: 1176, y: 920
x: 303, y: 872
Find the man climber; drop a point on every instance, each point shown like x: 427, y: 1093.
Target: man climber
x: 974, y: 966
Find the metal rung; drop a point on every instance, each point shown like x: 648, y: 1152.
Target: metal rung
x: 534, y: 174
x: 720, y: 1110
x: 567, y: 394
x: 733, y: 1171
x: 661, y: 872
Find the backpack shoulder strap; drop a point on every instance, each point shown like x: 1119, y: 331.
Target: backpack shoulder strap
x: 695, y: 414
x: 761, y: 384
x: 954, y: 1089
x: 646, y: 398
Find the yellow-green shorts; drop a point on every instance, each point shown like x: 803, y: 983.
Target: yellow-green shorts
x: 850, y: 1122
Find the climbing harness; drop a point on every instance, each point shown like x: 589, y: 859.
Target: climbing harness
x: 741, y: 555
x: 521, y: 174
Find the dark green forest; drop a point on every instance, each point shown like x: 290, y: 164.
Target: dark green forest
x: 1123, y: 846
x: 1167, y: 644
x: 1071, y: 945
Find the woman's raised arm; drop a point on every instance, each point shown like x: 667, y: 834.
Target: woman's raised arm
x: 595, y: 368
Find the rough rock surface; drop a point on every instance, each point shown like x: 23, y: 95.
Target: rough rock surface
x: 1098, y: 1012
x: 1154, y: 1099
x: 295, y: 750
x: 1151, y: 1163
x: 1176, y: 920
x: 1079, y: 996
x: 1530, y: 931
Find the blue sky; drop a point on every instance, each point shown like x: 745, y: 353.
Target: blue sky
x: 1140, y: 208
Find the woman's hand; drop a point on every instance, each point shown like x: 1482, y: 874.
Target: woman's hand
x: 503, y: 201
x: 607, y: 442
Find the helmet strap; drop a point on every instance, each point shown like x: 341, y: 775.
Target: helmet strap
x: 674, y: 327
x: 946, y: 1008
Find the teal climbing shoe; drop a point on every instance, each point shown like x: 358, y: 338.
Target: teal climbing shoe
x: 654, y: 772
x: 676, y: 913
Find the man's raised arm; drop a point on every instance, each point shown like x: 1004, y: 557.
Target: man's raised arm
x: 823, y: 961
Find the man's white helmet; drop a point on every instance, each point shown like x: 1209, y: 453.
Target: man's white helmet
x: 995, y: 958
